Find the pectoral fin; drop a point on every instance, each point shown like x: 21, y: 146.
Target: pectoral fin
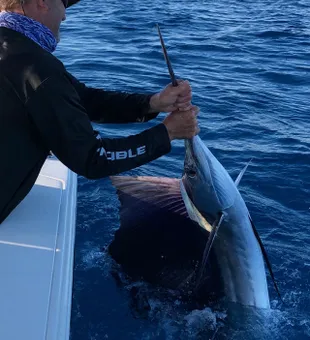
x: 215, y: 227
x: 192, y: 211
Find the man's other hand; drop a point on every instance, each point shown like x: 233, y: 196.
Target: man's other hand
x: 182, y: 124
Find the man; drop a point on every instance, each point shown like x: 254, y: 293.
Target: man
x: 43, y: 108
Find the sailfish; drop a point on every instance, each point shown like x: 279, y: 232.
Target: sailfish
x: 193, y: 234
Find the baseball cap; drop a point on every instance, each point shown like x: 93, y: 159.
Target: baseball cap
x: 71, y: 2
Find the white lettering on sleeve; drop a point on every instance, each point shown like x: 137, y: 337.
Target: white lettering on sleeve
x: 111, y: 156
x: 101, y: 151
x: 120, y: 154
x: 141, y: 150
x: 131, y: 154
x: 123, y: 154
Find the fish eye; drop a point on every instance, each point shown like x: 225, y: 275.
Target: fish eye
x: 191, y: 173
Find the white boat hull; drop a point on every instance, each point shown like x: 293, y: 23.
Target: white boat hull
x: 36, y: 259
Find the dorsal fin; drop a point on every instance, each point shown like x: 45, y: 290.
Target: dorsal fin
x: 156, y: 241
x: 265, y: 258
x: 238, y: 179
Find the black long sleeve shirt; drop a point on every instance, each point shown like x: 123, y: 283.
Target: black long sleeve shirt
x: 43, y: 108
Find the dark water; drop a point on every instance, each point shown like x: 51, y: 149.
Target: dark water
x: 248, y: 63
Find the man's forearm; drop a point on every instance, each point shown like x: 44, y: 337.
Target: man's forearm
x: 115, y: 107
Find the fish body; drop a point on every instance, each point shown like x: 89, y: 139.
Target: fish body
x: 237, y: 250
x: 166, y: 224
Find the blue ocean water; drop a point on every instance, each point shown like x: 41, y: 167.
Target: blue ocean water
x: 248, y: 64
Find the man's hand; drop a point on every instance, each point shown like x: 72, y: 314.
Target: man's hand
x: 182, y: 124
x: 172, y: 98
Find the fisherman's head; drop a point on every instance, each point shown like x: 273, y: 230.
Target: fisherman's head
x: 48, y: 12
